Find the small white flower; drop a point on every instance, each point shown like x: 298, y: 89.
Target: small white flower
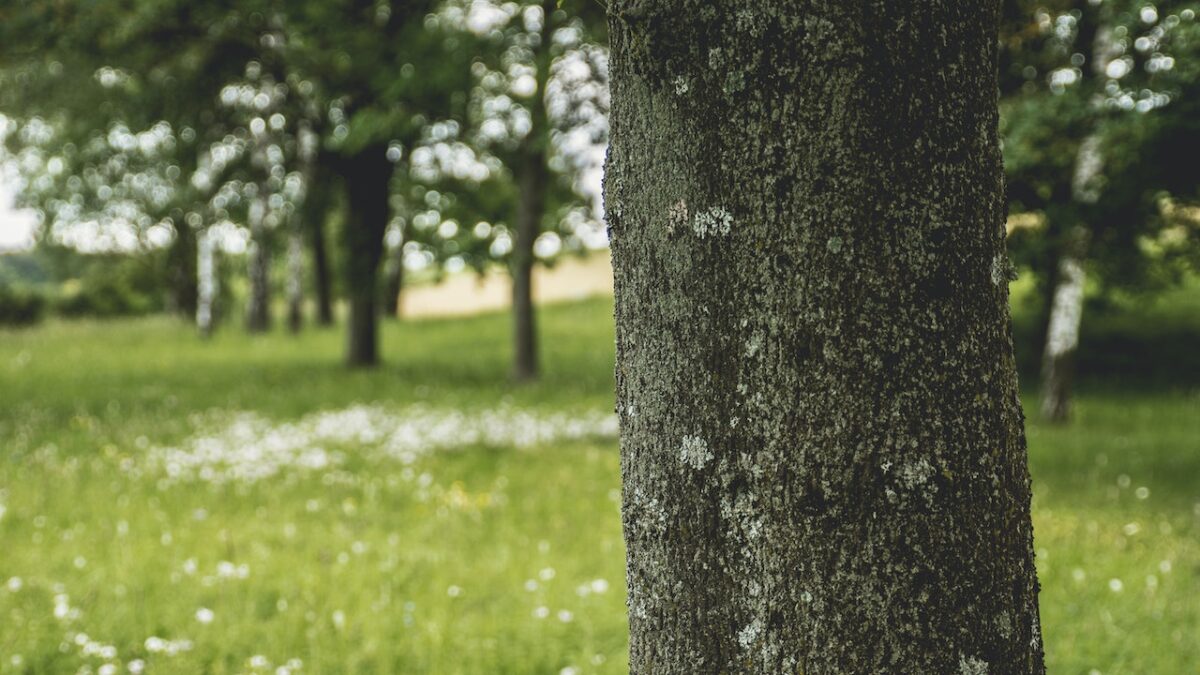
x: 541, y: 612
x: 155, y: 644
x: 205, y: 615
x: 14, y: 584
x: 565, y: 615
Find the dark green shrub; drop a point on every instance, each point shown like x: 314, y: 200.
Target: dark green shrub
x: 20, y: 306
x: 112, y: 286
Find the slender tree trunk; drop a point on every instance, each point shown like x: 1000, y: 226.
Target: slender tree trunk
x: 295, y: 285
x: 258, y: 305
x: 207, y: 280
x: 394, y: 284
x: 822, y: 448
x: 531, y: 207
x: 307, y: 157
x: 366, y: 177
x: 316, y: 208
x: 181, y: 259
x: 1062, y: 335
x: 1066, y: 308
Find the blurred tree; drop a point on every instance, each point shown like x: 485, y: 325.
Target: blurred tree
x: 537, y: 118
x: 1091, y: 89
x: 84, y: 69
x: 387, y: 70
x: 316, y: 213
x: 379, y: 72
x: 823, y: 454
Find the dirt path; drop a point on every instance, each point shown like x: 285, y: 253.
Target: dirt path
x: 467, y: 293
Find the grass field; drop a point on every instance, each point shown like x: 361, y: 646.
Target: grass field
x: 245, y: 505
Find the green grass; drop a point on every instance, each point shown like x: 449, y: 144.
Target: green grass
x: 486, y: 558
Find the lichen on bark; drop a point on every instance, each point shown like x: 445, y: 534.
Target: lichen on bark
x: 805, y: 205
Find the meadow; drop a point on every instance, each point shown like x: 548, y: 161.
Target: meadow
x: 245, y: 505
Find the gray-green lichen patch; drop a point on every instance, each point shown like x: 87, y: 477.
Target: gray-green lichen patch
x: 969, y: 665
x: 915, y: 474
x: 677, y: 216
x: 694, y: 452
x: 712, y: 222
x: 999, y: 269
x: 749, y: 635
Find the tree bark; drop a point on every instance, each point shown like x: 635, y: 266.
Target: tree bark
x: 822, y: 446
x: 366, y: 177
x: 531, y: 207
x: 207, y: 283
x: 258, y: 262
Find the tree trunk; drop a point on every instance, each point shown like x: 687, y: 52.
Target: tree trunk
x: 207, y: 280
x: 295, y: 285
x: 308, y: 143
x: 258, y: 260
x: 1066, y: 308
x: 316, y: 209
x: 394, y: 284
x: 1062, y: 337
x: 181, y: 258
x: 366, y: 177
x: 822, y: 447
x: 531, y: 207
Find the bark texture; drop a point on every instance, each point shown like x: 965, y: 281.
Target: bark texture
x: 531, y: 207
x: 823, y: 451
x: 366, y: 176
